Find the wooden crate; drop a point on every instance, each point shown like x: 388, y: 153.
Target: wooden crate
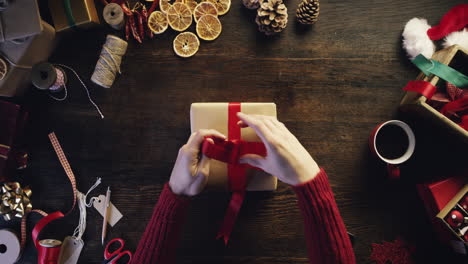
x: 416, y: 104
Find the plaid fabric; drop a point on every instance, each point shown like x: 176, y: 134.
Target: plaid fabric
x: 8, y: 121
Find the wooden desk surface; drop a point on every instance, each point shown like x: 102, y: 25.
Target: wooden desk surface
x: 332, y: 83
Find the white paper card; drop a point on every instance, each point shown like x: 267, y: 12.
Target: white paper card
x: 114, y: 214
x: 71, y: 250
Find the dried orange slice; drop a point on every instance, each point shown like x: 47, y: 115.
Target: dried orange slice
x: 165, y: 4
x: 221, y: 5
x: 186, y: 44
x: 157, y: 22
x: 204, y: 8
x: 179, y: 16
x: 208, y: 27
x: 191, y: 4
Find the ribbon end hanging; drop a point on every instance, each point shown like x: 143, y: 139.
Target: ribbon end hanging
x: 224, y: 236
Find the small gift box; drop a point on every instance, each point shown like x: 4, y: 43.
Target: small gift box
x: 413, y: 102
x: 454, y: 216
x: 19, y: 19
x: 21, y: 56
x: 73, y: 13
x: 217, y: 116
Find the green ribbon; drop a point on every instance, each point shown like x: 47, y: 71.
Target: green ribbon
x: 445, y: 72
x: 69, y: 13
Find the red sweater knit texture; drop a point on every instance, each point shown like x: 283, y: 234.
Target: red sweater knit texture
x: 325, y: 232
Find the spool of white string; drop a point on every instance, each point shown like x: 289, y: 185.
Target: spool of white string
x: 109, y: 61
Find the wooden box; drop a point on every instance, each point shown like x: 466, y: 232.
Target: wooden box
x: 456, y: 57
x: 454, y: 204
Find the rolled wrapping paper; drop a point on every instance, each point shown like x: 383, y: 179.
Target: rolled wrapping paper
x: 16, y: 201
x: 392, y: 164
x: 10, y: 245
x: 114, y: 16
x: 109, y: 61
x: 215, y: 116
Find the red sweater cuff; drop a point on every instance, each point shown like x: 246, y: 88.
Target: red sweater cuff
x: 170, y: 205
x: 319, y: 184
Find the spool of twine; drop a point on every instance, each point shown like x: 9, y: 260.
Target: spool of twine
x: 47, y: 77
x: 114, y: 16
x: 51, y: 77
x: 109, y: 61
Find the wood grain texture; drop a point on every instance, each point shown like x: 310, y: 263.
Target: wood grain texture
x: 332, y: 83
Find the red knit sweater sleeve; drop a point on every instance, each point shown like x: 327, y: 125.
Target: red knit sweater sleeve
x: 159, y: 242
x: 325, y: 232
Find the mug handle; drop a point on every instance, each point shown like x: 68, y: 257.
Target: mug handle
x: 393, y: 171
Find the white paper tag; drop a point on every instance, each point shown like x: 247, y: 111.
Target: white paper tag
x: 71, y: 250
x: 114, y: 214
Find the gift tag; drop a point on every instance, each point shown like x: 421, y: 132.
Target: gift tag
x: 114, y: 214
x: 71, y: 250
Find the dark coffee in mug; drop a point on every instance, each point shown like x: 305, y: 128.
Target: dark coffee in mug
x: 392, y: 142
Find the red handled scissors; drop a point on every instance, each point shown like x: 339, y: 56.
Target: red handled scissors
x: 112, y: 257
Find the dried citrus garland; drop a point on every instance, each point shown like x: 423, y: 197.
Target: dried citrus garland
x: 179, y: 15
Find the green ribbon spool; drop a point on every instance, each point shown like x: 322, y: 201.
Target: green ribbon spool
x: 445, y: 72
x: 69, y: 13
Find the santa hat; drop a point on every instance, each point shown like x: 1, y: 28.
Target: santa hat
x: 418, y: 35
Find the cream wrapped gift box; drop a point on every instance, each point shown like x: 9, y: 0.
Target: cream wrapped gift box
x: 215, y: 116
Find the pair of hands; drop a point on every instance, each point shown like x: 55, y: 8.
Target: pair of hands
x: 286, y: 158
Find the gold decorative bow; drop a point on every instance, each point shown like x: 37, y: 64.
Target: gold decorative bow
x: 15, y: 200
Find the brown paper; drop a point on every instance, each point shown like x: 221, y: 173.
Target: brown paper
x: 215, y: 116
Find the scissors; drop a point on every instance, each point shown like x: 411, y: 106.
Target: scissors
x: 112, y: 257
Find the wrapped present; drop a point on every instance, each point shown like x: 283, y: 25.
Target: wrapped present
x: 21, y: 56
x: 225, y: 171
x: 73, y: 13
x: 215, y: 116
x: 19, y: 19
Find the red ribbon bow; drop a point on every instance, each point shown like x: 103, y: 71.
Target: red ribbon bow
x: 230, y: 151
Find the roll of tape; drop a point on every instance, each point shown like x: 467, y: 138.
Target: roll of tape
x: 9, y: 247
x: 114, y: 16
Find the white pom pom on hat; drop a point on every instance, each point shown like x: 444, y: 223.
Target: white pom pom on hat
x: 415, y: 38
x: 460, y: 38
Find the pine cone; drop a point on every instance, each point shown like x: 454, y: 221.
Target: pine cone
x: 308, y: 11
x: 251, y: 4
x: 272, y: 16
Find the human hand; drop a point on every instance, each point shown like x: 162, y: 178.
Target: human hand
x: 191, y: 169
x: 286, y: 158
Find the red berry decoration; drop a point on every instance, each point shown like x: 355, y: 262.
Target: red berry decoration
x: 455, y: 219
x: 464, y: 203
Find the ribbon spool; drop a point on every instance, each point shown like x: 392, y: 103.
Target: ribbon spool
x: 9, y: 247
x: 48, y: 251
x: 114, y: 16
x: 46, y: 76
x: 109, y: 61
x: 15, y: 200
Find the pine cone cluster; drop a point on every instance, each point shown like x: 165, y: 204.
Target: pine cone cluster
x: 308, y: 11
x: 251, y: 4
x: 272, y: 16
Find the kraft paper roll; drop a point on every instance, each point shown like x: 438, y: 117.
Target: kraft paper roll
x: 9, y: 247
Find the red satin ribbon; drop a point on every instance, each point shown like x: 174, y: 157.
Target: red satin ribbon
x: 41, y: 224
x: 230, y: 151
x: 422, y: 87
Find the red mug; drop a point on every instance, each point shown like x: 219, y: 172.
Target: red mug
x: 392, y: 164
